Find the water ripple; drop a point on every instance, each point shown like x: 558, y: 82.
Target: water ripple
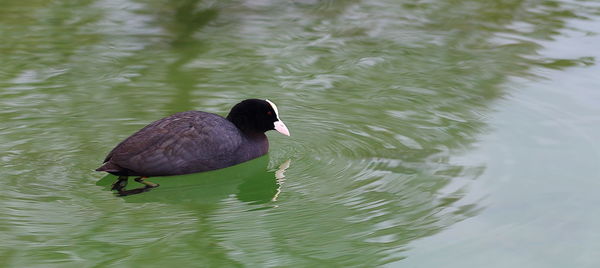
x: 382, y: 100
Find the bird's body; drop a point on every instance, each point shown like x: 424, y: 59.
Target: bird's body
x: 183, y: 143
x: 194, y: 141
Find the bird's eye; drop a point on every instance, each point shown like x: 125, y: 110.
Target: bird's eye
x: 269, y: 113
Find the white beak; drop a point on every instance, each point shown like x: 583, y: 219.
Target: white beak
x: 281, y: 128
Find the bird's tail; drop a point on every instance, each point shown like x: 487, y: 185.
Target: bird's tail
x: 110, y: 168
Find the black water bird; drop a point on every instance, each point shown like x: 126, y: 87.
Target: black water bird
x: 194, y: 141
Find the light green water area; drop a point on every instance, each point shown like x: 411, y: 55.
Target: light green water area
x: 424, y: 133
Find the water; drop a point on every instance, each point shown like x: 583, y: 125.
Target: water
x: 424, y: 134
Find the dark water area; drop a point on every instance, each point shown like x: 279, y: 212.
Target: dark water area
x: 424, y: 133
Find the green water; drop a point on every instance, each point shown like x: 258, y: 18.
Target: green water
x: 424, y: 133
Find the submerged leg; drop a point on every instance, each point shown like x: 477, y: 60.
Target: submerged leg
x: 147, y: 183
x: 120, y: 184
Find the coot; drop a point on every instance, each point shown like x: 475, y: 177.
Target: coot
x: 194, y: 141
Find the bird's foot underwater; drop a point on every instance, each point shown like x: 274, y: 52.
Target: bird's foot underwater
x: 147, y: 183
x: 121, y: 183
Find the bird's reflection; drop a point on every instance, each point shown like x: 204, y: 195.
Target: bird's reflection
x: 249, y: 182
x: 280, y: 177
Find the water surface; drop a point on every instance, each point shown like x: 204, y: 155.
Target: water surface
x: 423, y: 132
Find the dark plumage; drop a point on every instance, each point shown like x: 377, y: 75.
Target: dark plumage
x: 195, y: 141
